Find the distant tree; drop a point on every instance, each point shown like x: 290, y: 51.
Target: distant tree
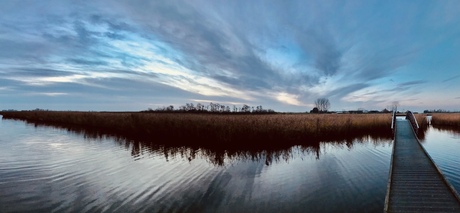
x: 235, y: 109
x: 190, y: 107
x: 214, y: 107
x: 314, y: 110
x: 199, y: 107
x: 246, y: 108
x: 322, y: 104
x: 259, y: 109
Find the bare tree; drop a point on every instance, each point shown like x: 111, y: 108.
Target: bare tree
x: 199, y: 107
x: 246, y: 108
x: 322, y: 104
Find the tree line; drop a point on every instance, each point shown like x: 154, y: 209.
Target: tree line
x: 213, y: 108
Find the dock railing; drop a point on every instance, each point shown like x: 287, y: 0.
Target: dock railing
x: 410, y: 116
x: 393, y: 121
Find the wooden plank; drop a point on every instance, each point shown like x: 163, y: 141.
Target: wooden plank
x: 415, y: 182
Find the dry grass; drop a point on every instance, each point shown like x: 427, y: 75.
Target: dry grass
x: 423, y: 125
x: 421, y: 120
x: 446, y: 119
x: 221, y: 130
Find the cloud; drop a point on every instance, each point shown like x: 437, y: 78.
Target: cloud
x: 411, y: 83
x: 288, y: 99
x: 277, y: 52
x: 218, y: 48
x: 451, y: 78
x: 52, y: 94
x: 87, y: 62
x: 235, y: 51
x: 34, y: 72
x: 13, y: 52
x: 224, y: 47
x: 346, y: 90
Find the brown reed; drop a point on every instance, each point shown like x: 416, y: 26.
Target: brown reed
x: 446, y: 119
x: 224, y: 130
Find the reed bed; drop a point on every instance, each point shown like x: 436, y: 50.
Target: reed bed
x: 421, y: 120
x: 423, y: 125
x: 221, y: 130
x: 446, y: 119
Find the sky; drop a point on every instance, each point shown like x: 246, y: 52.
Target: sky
x: 283, y: 55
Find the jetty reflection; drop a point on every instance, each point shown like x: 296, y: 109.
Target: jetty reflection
x: 217, y: 155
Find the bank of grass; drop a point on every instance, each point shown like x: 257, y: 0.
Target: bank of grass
x: 221, y: 130
x: 446, y: 119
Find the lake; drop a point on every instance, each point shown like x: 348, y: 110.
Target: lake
x: 51, y: 169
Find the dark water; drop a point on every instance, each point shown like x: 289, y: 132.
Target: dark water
x: 48, y: 169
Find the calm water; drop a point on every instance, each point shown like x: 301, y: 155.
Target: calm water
x: 51, y: 169
x: 443, y: 147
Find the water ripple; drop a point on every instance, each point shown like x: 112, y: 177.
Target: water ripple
x: 50, y: 170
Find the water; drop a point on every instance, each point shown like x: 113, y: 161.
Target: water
x: 443, y: 146
x: 48, y: 169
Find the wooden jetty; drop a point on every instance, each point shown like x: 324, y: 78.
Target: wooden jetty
x: 415, y: 182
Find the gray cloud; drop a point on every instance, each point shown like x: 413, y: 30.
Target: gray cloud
x: 86, y: 62
x: 256, y: 48
x: 217, y: 46
x: 451, y: 78
x: 25, y: 51
x: 225, y: 43
x: 345, y: 90
x: 410, y: 83
x: 35, y: 72
x: 320, y: 43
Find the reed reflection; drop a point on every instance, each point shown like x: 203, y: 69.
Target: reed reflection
x: 220, y: 155
x: 454, y: 130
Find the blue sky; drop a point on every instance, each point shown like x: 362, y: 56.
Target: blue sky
x: 134, y: 55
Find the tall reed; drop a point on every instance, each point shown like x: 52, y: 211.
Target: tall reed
x: 221, y: 130
x: 421, y: 120
x: 446, y: 119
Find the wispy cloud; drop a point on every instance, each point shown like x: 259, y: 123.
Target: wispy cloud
x: 451, y: 78
x: 281, y: 53
x: 410, y: 83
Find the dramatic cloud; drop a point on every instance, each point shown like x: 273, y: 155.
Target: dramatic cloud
x: 131, y: 55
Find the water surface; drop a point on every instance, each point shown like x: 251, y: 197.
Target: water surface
x: 51, y: 169
x: 443, y: 145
